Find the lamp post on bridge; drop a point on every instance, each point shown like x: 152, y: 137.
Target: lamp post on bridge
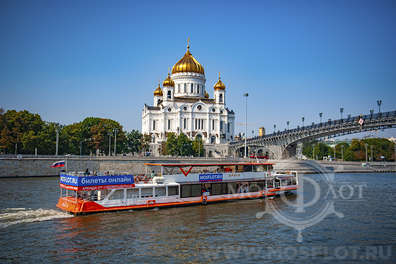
x: 246, y: 95
x: 320, y: 116
x: 371, y: 113
x: 274, y: 128
x: 287, y: 123
x: 341, y: 111
x: 379, y: 102
x: 303, y: 118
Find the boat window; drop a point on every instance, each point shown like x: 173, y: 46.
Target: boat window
x: 293, y: 181
x: 173, y: 190
x: 186, y: 190
x: 270, y: 183
x: 117, y: 195
x: 71, y: 193
x: 196, y: 190
x: 132, y: 193
x: 160, y: 191
x: 277, y: 183
x: 147, y: 192
x: 102, y: 194
x: 261, y: 184
x: 254, y: 187
x: 216, y: 188
x: 258, y: 168
x: 247, y: 168
x: 231, y: 188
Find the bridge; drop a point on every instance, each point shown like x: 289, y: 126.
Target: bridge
x: 283, y: 144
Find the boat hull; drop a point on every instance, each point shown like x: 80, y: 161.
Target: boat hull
x: 79, y: 206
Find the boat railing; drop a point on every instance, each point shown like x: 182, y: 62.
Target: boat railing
x: 94, y: 173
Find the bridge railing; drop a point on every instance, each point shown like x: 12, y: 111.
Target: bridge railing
x: 349, y: 121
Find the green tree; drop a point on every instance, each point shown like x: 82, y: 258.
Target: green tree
x: 184, y: 145
x: 171, y: 145
x: 343, y: 146
x: 198, y: 147
x: 145, y: 142
x: 133, y: 141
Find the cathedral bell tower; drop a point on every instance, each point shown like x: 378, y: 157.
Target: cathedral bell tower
x: 219, y: 92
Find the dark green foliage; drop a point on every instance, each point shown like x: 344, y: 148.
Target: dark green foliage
x: 27, y: 131
x: 182, y: 146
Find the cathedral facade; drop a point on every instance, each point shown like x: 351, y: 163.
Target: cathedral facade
x: 182, y: 105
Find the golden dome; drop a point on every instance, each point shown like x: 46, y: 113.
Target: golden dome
x: 168, y: 82
x: 219, y: 85
x: 206, y: 95
x: 188, y: 64
x: 158, y: 91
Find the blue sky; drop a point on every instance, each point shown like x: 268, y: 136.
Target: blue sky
x: 68, y: 60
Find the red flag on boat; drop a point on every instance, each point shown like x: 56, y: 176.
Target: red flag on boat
x: 58, y: 164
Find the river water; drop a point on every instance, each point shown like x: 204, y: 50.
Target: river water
x: 361, y: 228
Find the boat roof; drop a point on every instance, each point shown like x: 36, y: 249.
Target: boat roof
x: 205, y: 164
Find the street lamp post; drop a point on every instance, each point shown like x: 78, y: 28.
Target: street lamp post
x: 303, y: 118
x: 371, y: 153
x: 341, y: 111
x: 342, y: 152
x: 371, y: 113
x: 320, y: 116
x: 366, y: 145
x: 115, y: 141
x: 287, y: 123
x: 109, y: 133
x: 57, y: 141
x: 274, y: 128
x: 246, y: 96
x: 379, y: 102
x: 313, y: 151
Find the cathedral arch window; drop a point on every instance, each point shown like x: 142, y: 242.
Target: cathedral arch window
x: 169, y: 94
x: 199, y: 107
x: 185, y: 88
x: 221, y: 98
x: 198, y: 89
x: 185, y: 123
x: 169, y: 124
x: 153, y: 124
x: 192, y: 88
x: 178, y: 87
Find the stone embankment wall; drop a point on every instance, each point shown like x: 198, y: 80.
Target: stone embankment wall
x: 41, y: 166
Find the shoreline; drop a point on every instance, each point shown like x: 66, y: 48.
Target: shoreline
x: 30, y: 167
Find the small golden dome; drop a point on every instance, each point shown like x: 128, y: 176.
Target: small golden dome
x: 188, y: 64
x: 158, y: 91
x: 168, y: 82
x: 206, y: 95
x: 219, y: 85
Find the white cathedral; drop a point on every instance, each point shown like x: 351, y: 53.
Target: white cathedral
x: 183, y: 105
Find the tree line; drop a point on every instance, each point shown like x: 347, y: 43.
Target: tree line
x: 378, y: 149
x: 23, y: 132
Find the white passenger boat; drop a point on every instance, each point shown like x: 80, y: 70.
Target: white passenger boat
x: 172, y: 185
